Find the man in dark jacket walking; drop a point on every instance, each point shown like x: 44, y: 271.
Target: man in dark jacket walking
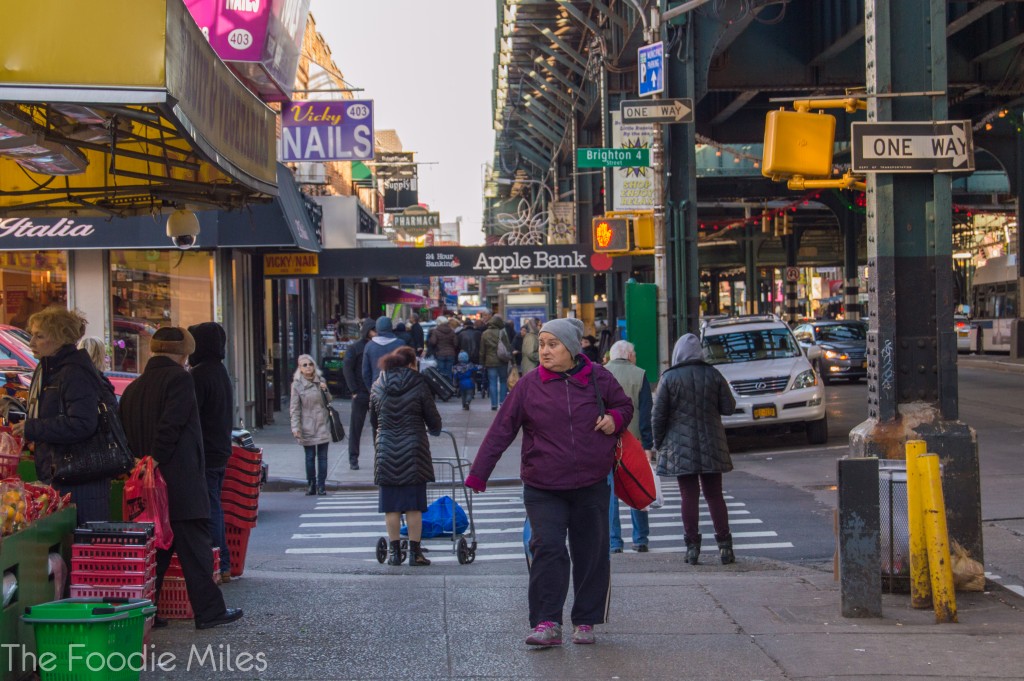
x: 352, y: 368
x: 381, y: 344
x: 161, y: 419
x: 216, y: 407
x: 416, y: 331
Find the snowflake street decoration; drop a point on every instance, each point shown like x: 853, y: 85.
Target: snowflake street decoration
x: 525, y: 227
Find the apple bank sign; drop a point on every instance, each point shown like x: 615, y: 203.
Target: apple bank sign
x: 529, y: 262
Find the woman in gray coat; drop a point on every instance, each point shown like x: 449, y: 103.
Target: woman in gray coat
x: 309, y: 421
x: 690, y: 440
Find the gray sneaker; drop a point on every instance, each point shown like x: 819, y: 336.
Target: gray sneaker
x: 583, y: 634
x: 545, y: 634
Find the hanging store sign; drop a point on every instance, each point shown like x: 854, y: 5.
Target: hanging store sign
x: 632, y: 188
x: 416, y: 222
x: 400, y: 193
x: 259, y: 39
x: 450, y: 261
x: 340, y: 130
x: 290, y: 264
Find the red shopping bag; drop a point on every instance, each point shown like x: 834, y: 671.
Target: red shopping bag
x: 145, y: 501
x: 634, y: 480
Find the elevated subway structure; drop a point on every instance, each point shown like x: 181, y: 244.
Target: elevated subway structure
x: 561, y: 69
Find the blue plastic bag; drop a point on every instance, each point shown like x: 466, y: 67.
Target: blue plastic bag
x: 437, y: 519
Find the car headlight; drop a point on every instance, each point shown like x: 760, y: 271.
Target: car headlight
x: 833, y: 354
x: 805, y: 379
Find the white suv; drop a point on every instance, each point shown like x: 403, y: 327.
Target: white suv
x: 771, y: 378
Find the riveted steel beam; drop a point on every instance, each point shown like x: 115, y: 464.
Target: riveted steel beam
x: 562, y: 59
x: 580, y: 17
x: 608, y: 12
x: 562, y: 45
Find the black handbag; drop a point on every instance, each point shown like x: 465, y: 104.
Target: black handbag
x: 333, y: 420
x: 104, y: 455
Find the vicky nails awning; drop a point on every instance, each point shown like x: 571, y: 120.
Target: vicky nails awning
x: 121, y: 107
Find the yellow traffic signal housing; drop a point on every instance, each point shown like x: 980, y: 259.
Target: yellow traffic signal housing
x: 641, y: 226
x: 797, y: 143
x: 611, y: 235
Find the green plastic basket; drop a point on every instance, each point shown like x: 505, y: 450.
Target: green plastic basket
x: 80, y: 639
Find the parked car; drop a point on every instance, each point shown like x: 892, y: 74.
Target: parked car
x: 843, y: 346
x: 771, y: 377
x: 963, y: 332
x: 15, y: 354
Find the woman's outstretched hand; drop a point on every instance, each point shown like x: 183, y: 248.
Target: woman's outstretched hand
x: 606, y: 424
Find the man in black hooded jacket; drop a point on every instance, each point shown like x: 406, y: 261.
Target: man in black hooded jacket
x: 352, y: 368
x: 216, y: 406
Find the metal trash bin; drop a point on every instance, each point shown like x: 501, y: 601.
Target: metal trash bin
x: 894, y: 533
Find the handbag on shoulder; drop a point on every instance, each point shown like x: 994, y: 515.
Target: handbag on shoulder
x: 333, y: 420
x: 104, y: 455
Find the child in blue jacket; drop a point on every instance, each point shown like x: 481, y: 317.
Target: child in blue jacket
x: 463, y: 373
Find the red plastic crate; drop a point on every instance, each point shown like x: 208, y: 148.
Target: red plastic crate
x: 147, y: 590
x: 246, y: 465
x: 174, y: 603
x: 240, y: 520
x: 115, y: 579
x: 241, y: 483
x: 115, y: 551
x: 174, y: 567
x: 238, y: 543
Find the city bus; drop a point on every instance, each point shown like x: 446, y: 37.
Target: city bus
x: 994, y: 304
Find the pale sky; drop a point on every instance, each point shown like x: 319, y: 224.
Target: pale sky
x: 427, y: 67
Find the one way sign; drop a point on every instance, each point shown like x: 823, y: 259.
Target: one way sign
x: 919, y: 147
x: 657, y: 111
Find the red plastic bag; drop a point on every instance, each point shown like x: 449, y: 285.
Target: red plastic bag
x: 634, y: 480
x: 145, y: 501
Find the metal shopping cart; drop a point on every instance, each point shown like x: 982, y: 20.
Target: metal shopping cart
x: 449, y: 479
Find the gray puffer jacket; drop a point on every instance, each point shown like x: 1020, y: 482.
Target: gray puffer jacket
x: 692, y: 397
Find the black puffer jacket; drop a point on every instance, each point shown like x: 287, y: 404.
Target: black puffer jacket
x: 692, y: 397
x: 66, y: 378
x: 213, y: 392
x: 402, y: 410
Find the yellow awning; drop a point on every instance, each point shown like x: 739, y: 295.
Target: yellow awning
x: 122, y: 107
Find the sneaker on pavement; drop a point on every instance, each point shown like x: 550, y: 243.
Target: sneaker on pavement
x: 640, y: 548
x: 545, y: 634
x: 583, y: 634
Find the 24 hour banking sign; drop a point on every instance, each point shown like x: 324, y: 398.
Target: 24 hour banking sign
x: 340, y: 130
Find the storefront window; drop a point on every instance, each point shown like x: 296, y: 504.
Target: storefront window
x: 30, y: 281
x: 150, y: 289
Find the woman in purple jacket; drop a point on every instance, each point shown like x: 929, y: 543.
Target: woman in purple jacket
x: 571, y: 412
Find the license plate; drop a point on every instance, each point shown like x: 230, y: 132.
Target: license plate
x: 766, y: 412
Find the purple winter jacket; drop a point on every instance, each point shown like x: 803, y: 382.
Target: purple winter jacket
x: 561, y: 448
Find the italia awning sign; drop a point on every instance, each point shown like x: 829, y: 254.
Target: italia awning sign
x: 918, y: 147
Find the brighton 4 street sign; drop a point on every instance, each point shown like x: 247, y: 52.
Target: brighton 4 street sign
x: 613, y: 158
x: 914, y: 147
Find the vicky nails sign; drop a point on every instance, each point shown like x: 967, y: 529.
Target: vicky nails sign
x: 340, y: 130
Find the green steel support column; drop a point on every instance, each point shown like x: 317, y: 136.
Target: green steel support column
x: 750, y: 265
x: 912, y: 381
x: 681, y: 184
x: 852, y: 228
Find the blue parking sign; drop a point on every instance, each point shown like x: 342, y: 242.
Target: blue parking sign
x: 651, y: 69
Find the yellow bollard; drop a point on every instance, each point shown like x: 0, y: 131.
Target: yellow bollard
x: 920, y: 588
x: 939, y: 564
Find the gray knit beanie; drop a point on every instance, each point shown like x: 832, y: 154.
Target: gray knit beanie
x: 568, y: 331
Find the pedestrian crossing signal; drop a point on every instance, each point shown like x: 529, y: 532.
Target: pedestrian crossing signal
x: 611, y: 235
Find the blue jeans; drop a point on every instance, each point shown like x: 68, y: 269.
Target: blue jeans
x: 444, y: 366
x: 497, y: 379
x: 640, y: 520
x: 316, y: 464
x: 214, y: 484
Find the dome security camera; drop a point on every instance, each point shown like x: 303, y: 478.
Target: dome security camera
x: 183, y: 229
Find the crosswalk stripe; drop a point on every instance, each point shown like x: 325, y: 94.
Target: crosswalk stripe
x: 519, y: 555
x: 375, y: 514
x: 626, y: 524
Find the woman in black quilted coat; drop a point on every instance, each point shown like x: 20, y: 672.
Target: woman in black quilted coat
x: 402, y: 410
x: 690, y: 440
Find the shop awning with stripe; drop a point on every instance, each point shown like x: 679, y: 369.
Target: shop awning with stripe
x: 121, y: 107
x: 390, y: 294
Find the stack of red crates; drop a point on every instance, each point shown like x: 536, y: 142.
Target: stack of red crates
x: 174, y: 603
x: 113, y: 560
x: 240, y: 499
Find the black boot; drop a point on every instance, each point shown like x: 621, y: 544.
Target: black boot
x: 311, y: 490
x: 395, y: 553
x: 725, y: 548
x: 693, y: 551
x: 416, y: 557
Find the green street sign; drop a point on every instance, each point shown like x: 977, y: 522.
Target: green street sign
x: 613, y: 158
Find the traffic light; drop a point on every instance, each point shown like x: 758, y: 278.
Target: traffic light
x: 798, y: 143
x: 611, y: 235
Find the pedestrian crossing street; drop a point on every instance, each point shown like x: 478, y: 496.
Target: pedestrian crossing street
x: 348, y: 524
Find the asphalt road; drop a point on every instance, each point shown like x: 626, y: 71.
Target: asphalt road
x: 782, y: 494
